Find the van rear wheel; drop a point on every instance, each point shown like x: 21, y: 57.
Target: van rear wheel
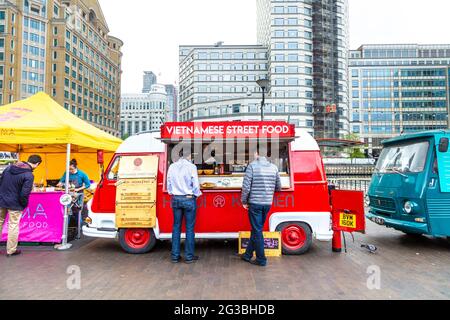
x: 296, y: 237
x: 137, y: 241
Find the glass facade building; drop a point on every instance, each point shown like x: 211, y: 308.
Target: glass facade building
x: 397, y: 89
x: 302, y: 48
x: 149, y: 80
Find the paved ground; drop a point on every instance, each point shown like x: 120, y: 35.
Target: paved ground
x: 411, y: 268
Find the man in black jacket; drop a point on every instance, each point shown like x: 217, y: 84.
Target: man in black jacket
x: 16, y: 185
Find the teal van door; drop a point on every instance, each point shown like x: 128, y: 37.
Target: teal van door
x: 438, y: 195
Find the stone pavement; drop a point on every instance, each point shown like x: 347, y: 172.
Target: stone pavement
x: 411, y: 268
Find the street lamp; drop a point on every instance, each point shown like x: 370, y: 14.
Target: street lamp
x: 264, y: 84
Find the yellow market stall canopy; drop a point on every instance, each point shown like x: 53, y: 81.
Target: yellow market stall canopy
x: 40, y: 125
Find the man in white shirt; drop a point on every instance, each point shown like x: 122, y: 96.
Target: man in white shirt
x: 184, y: 187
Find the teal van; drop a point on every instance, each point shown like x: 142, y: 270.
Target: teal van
x: 410, y: 189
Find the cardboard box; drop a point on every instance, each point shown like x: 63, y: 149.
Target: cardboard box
x: 272, y: 241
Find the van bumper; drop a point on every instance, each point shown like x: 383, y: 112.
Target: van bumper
x: 401, y: 225
x: 96, y: 233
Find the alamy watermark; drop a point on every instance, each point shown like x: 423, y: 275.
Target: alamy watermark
x: 374, y: 280
x: 73, y: 282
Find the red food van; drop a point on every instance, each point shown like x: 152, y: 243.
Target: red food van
x: 302, y: 211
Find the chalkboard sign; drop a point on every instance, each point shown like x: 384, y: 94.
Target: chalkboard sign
x: 272, y: 243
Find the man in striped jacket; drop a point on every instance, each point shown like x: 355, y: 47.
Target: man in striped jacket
x: 262, y: 180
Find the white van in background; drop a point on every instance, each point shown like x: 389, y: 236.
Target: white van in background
x: 6, y: 158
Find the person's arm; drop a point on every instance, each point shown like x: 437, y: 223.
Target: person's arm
x: 27, y: 187
x: 278, y: 185
x: 247, y: 185
x: 169, y: 181
x: 195, y: 182
x: 86, y: 181
x: 62, y: 181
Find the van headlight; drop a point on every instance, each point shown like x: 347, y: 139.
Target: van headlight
x: 409, y: 207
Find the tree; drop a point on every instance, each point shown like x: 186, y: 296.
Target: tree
x: 353, y: 152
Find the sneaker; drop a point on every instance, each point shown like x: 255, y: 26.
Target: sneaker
x: 176, y: 260
x: 253, y: 262
x: 244, y: 258
x: 194, y: 260
x: 18, y: 252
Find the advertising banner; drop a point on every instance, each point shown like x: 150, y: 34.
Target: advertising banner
x: 42, y: 221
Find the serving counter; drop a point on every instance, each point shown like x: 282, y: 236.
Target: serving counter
x: 233, y: 181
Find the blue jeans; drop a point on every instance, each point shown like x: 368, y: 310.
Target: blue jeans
x: 258, y: 215
x: 187, y: 207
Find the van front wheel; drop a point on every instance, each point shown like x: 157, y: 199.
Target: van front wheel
x: 296, y: 237
x: 137, y: 241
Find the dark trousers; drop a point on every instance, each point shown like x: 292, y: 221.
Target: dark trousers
x: 183, y: 207
x: 258, y: 215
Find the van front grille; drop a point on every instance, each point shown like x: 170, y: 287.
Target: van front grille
x: 382, y: 203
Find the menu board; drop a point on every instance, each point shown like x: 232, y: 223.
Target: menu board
x: 136, y: 192
x: 132, y: 215
x: 272, y: 243
x: 138, y: 167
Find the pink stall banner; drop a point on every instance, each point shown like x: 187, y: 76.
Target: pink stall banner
x: 42, y: 221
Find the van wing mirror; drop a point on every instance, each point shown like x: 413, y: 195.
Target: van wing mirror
x: 443, y: 145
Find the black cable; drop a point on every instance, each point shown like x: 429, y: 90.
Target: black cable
x: 345, y: 242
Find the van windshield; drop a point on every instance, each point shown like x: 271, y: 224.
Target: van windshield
x: 404, y: 158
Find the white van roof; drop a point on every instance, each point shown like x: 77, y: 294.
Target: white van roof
x: 304, y: 141
x: 150, y: 142
x: 147, y: 142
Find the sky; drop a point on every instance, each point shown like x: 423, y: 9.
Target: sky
x: 152, y: 30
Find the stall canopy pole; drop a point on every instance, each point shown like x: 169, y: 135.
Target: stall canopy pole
x: 65, y: 245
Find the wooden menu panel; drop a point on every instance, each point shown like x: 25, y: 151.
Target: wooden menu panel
x: 138, y: 167
x: 136, y: 215
x: 136, y: 190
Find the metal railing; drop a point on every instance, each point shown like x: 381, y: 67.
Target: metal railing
x: 349, y: 170
x: 352, y: 183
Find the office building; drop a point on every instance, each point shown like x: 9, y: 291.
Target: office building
x: 144, y: 111
x: 302, y: 49
x: 149, y: 80
x: 172, y: 96
x: 398, y: 89
x: 63, y: 48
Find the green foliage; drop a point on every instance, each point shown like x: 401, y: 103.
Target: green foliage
x: 353, y: 152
